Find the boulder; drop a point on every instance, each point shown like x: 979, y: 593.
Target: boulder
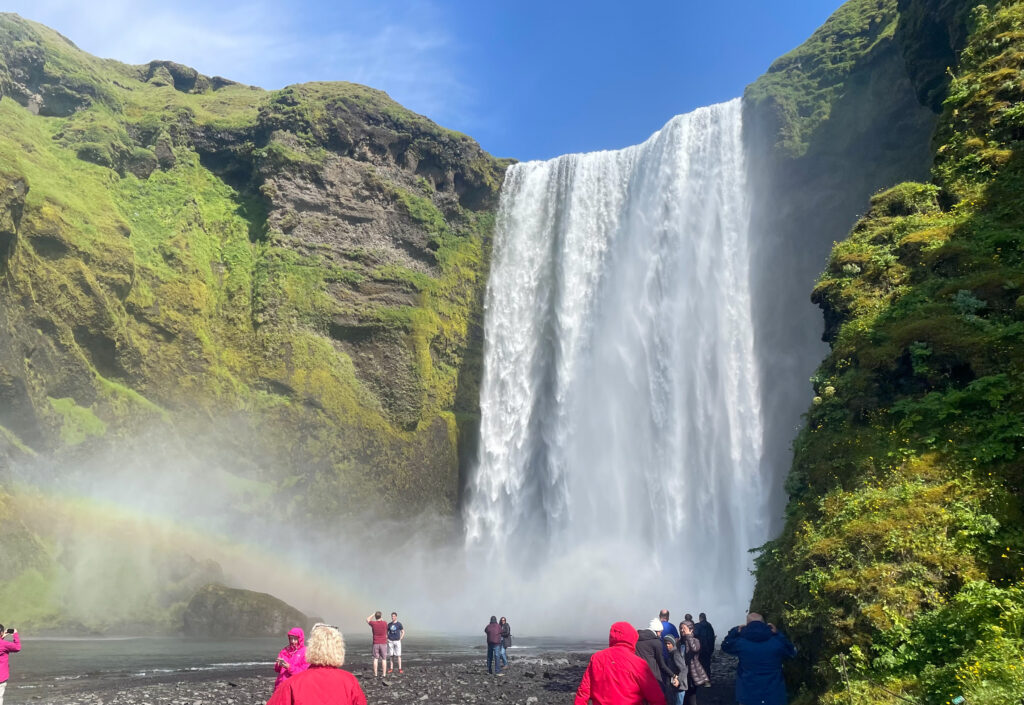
x: 219, y: 611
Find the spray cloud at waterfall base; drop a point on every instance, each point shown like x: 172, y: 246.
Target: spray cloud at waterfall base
x: 621, y: 435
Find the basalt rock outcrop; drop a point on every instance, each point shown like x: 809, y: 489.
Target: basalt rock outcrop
x: 217, y: 611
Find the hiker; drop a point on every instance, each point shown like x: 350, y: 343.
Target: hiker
x: 396, y: 632
x: 379, y: 650
x: 493, y: 632
x: 667, y: 629
x: 696, y: 675
x: 705, y: 634
x: 324, y: 682
x: 506, y: 640
x: 617, y: 676
x: 648, y: 647
x: 292, y: 659
x: 761, y: 649
x: 7, y: 648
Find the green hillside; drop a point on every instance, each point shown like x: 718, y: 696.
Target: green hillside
x: 900, y: 572
x: 178, y: 251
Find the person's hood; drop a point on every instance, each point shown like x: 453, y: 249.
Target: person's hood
x: 757, y: 632
x: 622, y: 634
x: 297, y: 631
x: 647, y: 635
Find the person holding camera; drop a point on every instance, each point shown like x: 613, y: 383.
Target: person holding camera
x: 7, y: 647
x: 291, y: 661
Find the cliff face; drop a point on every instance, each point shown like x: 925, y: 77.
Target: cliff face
x: 828, y: 125
x: 272, y: 299
x: 293, y: 275
x: 899, y: 571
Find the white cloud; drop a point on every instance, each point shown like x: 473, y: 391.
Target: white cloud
x: 272, y: 44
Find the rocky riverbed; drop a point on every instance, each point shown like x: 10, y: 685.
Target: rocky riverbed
x: 548, y: 679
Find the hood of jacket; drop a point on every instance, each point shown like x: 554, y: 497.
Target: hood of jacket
x: 622, y: 634
x: 757, y: 632
x: 297, y: 631
x: 647, y: 635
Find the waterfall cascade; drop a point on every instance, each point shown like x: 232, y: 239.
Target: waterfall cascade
x: 620, y: 432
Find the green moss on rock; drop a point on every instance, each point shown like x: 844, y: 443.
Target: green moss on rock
x: 906, y: 487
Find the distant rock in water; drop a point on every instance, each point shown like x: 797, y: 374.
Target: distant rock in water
x: 219, y: 611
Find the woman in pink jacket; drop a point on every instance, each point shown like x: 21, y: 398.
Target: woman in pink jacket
x: 7, y: 647
x: 292, y: 659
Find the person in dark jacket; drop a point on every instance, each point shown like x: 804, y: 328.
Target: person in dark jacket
x: 676, y: 692
x: 506, y: 640
x: 493, y: 632
x: 617, y: 676
x: 648, y: 647
x: 696, y: 676
x: 705, y: 634
x: 761, y: 649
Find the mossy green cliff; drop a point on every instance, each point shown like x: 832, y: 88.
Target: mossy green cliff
x: 178, y: 250
x: 283, y: 288
x: 900, y: 571
x: 826, y: 126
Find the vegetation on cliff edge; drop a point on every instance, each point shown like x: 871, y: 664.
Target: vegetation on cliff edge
x: 900, y: 571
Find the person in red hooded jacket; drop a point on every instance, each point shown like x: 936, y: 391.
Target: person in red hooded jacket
x: 617, y: 676
x: 292, y: 659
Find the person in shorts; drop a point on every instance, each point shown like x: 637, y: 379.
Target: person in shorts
x: 395, y: 634
x: 380, y: 640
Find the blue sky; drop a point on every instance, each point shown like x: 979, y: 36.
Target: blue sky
x: 529, y: 79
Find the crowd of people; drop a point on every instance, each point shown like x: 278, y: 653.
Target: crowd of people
x: 662, y: 665
x: 659, y: 664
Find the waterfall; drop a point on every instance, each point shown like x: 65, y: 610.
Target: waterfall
x: 620, y: 427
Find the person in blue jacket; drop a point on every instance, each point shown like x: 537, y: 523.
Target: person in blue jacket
x: 761, y: 649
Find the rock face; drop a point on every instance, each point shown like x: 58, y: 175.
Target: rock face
x: 903, y: 526
x: 280, y: 290
x: 293, y: 277
x: 217, y: 612
x: 827, y: 126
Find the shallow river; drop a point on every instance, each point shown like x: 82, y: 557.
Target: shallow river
x: 48, y: 667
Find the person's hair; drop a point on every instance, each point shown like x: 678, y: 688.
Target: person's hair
x: 502, y: 620
x: 326, y: 646
x: 1, y: 629
x: 688, y: 617
x: 376, y: 615
x: 394, y: 614
x: 754, y: 617
x: 664, y: 615
x: 702, y: 616
x: 688, y: 623
x: 494, y: 620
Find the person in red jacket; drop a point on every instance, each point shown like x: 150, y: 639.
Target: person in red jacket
x: 323, y: 683
x: 617, y: 676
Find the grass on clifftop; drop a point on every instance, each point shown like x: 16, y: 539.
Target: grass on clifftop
x: 900, y: 572
x: 804, y: 84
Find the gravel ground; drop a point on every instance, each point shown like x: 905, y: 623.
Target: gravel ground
x: 548, y: 679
